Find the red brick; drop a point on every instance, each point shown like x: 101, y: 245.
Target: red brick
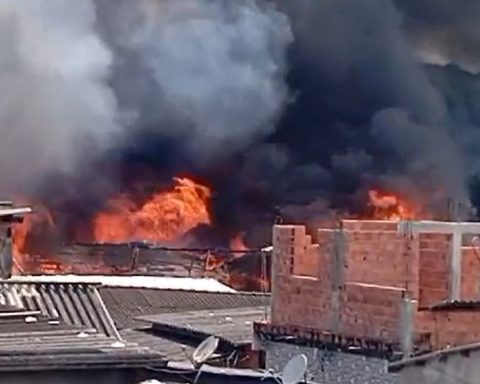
x: 377, y: 255
x: 370, y: 225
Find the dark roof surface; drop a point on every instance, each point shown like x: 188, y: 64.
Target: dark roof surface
x: 71, y: 350
x: 62, y: 326
x: 233, y: 325
x: 78, y: 305
x: 323, y: 339
x: 21, y: 326
x: 425, y: 358
x: 456, y: 304
x: 174, y: 350
x: 127, y: 304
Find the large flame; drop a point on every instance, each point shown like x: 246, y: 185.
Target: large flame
x: 388, y: 206
x: 165, y: 217
x: 21, y: 232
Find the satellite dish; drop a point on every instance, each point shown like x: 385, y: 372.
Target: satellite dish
x: 294, y: 371
x: 205, y: 350
x: 152, y: 381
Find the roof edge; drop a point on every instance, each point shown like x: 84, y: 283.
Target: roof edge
x: 328, y: 340
x: 423, y: 359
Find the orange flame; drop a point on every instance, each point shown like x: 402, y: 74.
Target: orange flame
x: 387, y: 206
x: 21, y: 231
x: 165, y: 217
x: 238, y: 244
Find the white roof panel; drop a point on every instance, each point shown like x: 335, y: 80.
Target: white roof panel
x: 14, y: 211
x: 154, y: 282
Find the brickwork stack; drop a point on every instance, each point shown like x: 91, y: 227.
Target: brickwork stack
x: 369, y: 280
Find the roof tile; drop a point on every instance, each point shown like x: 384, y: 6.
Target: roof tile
x: 127, y: 304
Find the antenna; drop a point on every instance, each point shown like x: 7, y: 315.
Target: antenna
x: 295, y: 370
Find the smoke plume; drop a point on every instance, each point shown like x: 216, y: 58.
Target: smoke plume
x: 55, y: 98
x: 283, y: 107
x: 208, y: 73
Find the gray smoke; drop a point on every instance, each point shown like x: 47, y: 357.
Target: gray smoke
x: 443, y: 31
x: 54, y: 98
x: 209, y: 72
x: 77, y: 78
x: 365, y: 56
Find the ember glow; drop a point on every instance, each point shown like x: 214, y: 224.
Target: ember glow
x: 388, y: 206
x: 238, y: 243
x: 165, y: 217
x: 39, y: 218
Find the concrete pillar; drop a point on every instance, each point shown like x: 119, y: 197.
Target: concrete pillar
x: 457, y: 230
x: 455, y: 281
x: 406, y: 326
x: 337, y: 276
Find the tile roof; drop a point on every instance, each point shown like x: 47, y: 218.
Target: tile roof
x: 71, y: 350
x: 174, y: 350
x: 125, y: 304
x: 234, y: 325
x: 75, y: 304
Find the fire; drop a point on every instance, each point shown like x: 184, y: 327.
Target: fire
x: 238, y: 244
x: 21, y: 232
x: 163, y: 218
x: 40, y: 216
x: 387, y: 206
x: 213, y: 262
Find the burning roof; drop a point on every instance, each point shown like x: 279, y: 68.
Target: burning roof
x: 183, y: 128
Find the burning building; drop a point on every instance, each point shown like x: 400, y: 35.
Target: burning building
x: 197, y: 123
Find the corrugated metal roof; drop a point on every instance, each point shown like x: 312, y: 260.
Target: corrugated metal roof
x: 126, y: 304
x: 234, y: 325
x: 74, y: 304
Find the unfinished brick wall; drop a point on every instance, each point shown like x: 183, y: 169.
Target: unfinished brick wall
x: 370, y: 311
x: 357, y: 280
x: 433, y: 268
x: 448, y: 326
x: 301, y: 290
x: 312, y: 293
x: 378, y: 254
x: 470, y: 282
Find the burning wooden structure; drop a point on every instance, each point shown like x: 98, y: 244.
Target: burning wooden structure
x: 8, y: 216
x: 242, y: 270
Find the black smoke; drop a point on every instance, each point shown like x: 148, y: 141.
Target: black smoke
x: 291, y: 108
